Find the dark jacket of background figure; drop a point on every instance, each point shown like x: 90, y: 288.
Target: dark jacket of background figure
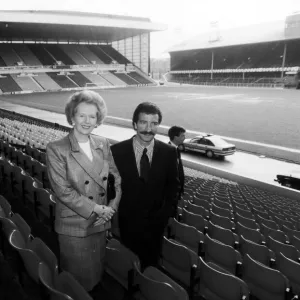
x: 180, y: 171
x: 144, y: 208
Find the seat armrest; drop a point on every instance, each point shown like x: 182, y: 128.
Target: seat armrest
x: 179, y: 217
x: 272, y: 263
x: 236, y: 245
x: 201, y: 251
x: 239, y: 269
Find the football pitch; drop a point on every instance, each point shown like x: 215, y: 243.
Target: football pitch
x: 256, y: 114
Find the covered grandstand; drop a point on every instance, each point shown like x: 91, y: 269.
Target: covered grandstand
x: 255, y: 55
x: 55, y: 50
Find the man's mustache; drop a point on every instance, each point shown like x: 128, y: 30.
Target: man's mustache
x: 147, y: 132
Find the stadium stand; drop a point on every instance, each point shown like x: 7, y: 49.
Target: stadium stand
x: 26, y: 83
x: 59, y: 55
x: 124, y: 77
x: 217, y: 219
x: 42, y: 55
x: 46, y: 82
x: 101, y: 54
x: 97, y: 79
x: 7, y: 84
x: 27, y: 56
x: 88, y: 54
x: 9, y: 56
x: 70, y: 50
x: 114, y: 54
x: 79, y: 79
x: 256, y: 55
x: 62, y: 80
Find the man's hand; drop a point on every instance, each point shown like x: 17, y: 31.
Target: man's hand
x: 99, y: 221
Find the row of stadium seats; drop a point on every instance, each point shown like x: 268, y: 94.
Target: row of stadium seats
x: 256, y: 79
x: 75, y: 79
x: 264, y: 55
x: 51, y: 54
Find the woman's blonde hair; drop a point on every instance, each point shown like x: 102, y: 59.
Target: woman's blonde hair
x: 89, y: 97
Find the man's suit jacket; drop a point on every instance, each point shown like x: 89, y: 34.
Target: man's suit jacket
x: 142, y: 203
x: 80, y: 184
x: 180, y: 169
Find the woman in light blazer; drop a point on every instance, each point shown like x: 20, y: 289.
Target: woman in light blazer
x: 78, y: 168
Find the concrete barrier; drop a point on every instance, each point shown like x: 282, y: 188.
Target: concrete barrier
x: 292, y: 155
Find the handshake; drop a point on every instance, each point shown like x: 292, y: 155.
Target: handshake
x: 105, y: 213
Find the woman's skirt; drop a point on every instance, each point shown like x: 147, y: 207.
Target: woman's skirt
x: 83, y: 257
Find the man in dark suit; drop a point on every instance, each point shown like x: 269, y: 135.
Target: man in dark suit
x: 177, y: 137
x: 150, y: 185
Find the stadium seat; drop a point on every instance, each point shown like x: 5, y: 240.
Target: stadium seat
x: 282, y: 222
x: 264, y: 283
x: 250, y: 234
x: 5, y: 206
x: 186, y: 235
x: 291, y: 270
x: 222, y: 204
x: 262, y: 214
x: 44, y: 203
x: 277, y: 235
x: 250, y: 223
x: 217, y: 283
x: 202, y: 202
x: 244, y: 213
x: 194, y: 220
x: 258, y: 252
x: 290, y: 232
x: 180, y: 263
x: 267, y: 222
x: 119, y: 262
x: 152, y: 284
x: 32, y: 254
x: 223, y: 235
x: 63, y: 287
x: 221, y: 221
x: 223, y: 255
x: 222, y: 211
x: 295, y: 241
x: 198, y: 210
x: 289, y: 251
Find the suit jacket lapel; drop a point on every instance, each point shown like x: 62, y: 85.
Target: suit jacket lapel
x: 130, y: 154
x: 92, y: 168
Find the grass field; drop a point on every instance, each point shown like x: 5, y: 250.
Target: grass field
x: 263, y: 115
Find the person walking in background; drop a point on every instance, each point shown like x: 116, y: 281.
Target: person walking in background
x: 78, y: 168
x: 150, y: 185
x: 177, y: 137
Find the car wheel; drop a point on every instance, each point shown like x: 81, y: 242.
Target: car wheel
x: 209, y: 154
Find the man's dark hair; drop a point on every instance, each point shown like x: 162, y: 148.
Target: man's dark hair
x: 146, y: 108
x: 175, y: 131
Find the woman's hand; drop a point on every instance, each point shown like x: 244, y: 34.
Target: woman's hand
x: 103, y: 211
x: 99, y: 221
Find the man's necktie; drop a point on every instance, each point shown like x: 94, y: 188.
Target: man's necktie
x: 144, y: 166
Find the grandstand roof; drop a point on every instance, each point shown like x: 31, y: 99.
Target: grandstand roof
x: 71, y: 26
x: 251, y: 34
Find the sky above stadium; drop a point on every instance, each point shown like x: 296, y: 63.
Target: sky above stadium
x: 184, y: 19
